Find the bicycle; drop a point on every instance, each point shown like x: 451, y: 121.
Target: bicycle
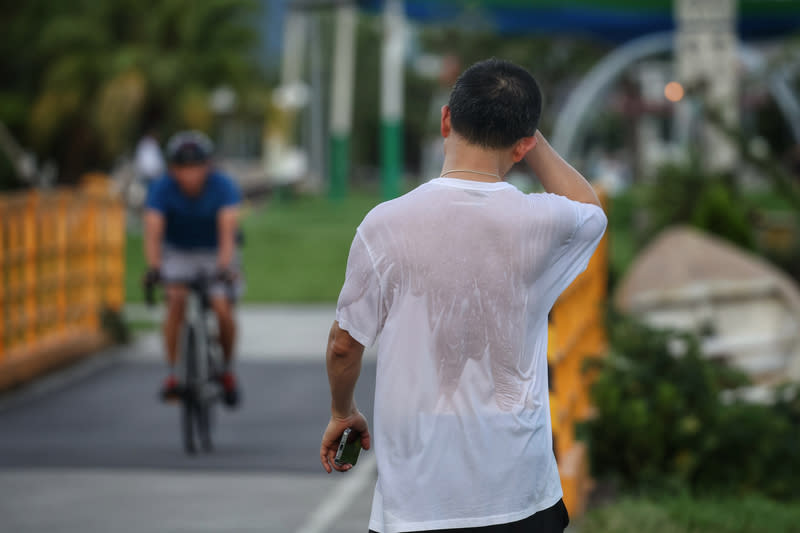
x: 201, y: 364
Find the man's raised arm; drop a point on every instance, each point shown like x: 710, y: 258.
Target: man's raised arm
x: 556, y: 175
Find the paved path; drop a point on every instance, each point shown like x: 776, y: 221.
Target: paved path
x: 272, y: 332
x: 91, y: 450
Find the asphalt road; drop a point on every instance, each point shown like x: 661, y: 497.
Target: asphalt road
x: 111, y: 419
x: 91, y: 449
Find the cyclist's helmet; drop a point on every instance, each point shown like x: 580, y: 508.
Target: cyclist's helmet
x: 189, y: 148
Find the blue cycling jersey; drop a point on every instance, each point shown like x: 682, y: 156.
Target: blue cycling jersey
x: 191, y: 222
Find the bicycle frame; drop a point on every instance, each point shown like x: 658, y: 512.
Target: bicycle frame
x: 195, y: 319
x: 199, y: 364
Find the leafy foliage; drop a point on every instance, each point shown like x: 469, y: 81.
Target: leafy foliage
x: 554, y: 62
x: 662, y: 422
x: 787, y: 260
x: 115, y: 326
x: 687, y: 195
x: 709, y: 202
x: 82, y: 75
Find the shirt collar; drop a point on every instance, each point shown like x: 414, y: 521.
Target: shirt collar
x: 470, y: 184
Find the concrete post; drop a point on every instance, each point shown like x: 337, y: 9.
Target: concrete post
x: 342, y: 83
x: 706, y: 45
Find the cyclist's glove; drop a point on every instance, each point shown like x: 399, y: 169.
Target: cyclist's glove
x: 226, y: 275
x: 152, y: 277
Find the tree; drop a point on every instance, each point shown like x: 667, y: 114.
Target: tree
x: 84, y: 74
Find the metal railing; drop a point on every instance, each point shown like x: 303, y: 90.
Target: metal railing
x: 62, y: 260
x: 576, y: 333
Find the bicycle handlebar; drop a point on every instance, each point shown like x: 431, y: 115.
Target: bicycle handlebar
x: 199, y: 284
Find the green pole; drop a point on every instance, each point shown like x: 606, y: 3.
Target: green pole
x: 340, y: 165
x: 391, y: 158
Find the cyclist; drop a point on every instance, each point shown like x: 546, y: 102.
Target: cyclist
x: 190, y: 229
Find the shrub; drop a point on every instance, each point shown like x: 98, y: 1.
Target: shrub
x: 684, y: 514
x: 688, y: 195
x: 661, y: 421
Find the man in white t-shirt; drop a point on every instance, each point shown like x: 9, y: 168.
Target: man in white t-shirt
x: 457, y: 278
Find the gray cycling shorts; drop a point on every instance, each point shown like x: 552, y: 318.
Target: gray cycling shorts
x: 179, y: 265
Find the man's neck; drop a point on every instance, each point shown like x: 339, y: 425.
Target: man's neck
x: 468, y: 162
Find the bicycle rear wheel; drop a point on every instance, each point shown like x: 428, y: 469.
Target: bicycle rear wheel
x: 187, y: 426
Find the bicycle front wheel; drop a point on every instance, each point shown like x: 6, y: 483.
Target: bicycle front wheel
x: 203, y: 421
x: 189, y: 398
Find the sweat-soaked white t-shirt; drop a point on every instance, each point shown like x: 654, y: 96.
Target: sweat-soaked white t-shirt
x: 457, y: 279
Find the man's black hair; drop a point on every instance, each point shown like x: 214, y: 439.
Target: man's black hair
x: 495, y: 103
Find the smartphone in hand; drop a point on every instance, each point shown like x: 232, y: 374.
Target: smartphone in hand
x: 349, y: 448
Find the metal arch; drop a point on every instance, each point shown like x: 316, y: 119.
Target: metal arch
x: 576, y: 109
x: 575, y: 113
x: 781, y: 89
x: 779, y: 83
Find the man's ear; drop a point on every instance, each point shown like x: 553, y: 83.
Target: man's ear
x: 446, y: 127
x: 522, y: 147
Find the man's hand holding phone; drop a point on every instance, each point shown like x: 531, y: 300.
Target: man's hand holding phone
x: 332, y: 437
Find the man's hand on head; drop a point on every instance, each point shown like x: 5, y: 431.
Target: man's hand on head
x: 556, y: 175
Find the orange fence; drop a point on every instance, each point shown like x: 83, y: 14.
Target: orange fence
x: 576, y: 333
x: 61, y: 262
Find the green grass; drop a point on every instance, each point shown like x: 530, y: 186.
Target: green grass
x: 622, y: 247
x: 749, y: 514
x: 295, y: 251
x: 134, y: 268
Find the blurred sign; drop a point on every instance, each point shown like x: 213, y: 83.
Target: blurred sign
x: 707, y: 59
x: 617, y: 20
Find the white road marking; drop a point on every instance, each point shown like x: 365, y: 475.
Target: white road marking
x: 341, y: 497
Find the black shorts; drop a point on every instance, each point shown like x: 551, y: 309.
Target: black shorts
x: 554, y: 519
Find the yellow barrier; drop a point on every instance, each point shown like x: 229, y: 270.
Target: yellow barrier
x: 576, y: 332
x: 61, y: 262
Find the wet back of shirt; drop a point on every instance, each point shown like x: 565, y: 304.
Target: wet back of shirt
x: 457, y: 279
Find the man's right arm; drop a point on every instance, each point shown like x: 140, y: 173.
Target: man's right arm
x: 556, y: 175
x: 153, y: 235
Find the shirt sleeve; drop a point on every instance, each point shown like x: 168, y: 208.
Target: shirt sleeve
x: 573, y: 255
x: 359, y: 308
x: 231, y: 194
x: 156, y: 196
